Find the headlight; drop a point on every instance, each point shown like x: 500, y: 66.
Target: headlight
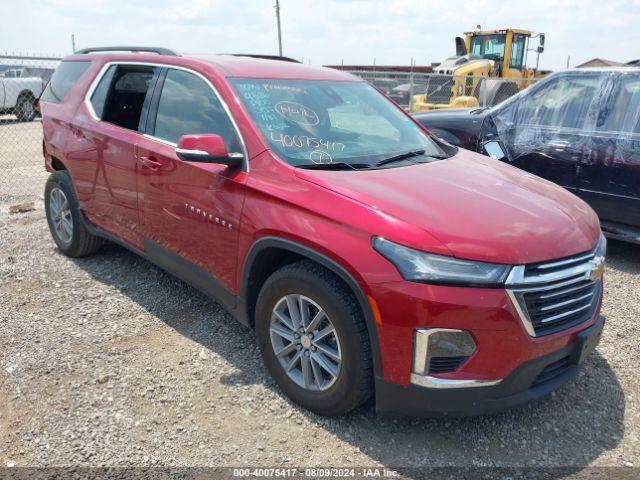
x: 430, y: 268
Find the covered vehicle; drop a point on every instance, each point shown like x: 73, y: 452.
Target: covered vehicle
x: 578, y: 128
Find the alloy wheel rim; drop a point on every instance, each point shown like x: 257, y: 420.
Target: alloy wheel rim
x: 305, y: 342
x: 61, y: 218
x: 27, y: 108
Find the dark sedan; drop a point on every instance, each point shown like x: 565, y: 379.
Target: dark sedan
x: 579, y: 129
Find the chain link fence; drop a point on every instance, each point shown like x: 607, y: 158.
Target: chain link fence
x: 419, y: 92
x: 22, y: 79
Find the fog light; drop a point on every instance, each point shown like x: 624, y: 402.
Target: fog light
x: 439, y: 350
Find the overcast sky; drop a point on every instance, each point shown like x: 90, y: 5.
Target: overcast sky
x: 322, y: 31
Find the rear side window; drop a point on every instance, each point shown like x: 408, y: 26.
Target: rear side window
x: 65, y: 76
x: 620, y: 114
x: 188, y: 105
x: 563, y: 103
x: 121, y: 94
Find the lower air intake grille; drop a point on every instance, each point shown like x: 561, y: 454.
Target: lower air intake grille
x: 445, y: 364
x: 439, y: 89
x: 552, y: 371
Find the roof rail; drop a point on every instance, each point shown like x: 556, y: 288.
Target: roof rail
x: 266, y: 57
x: 158, y: 50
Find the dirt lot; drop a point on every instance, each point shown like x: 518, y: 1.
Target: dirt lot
x: 108, y: 361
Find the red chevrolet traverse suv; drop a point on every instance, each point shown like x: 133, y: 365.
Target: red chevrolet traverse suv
x: 370, y: 258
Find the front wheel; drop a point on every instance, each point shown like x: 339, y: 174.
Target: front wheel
x: 313, y: 339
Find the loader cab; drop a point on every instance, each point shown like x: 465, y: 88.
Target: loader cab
x: 506, y: 48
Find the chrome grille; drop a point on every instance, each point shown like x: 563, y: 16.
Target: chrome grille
x: 556, y: 295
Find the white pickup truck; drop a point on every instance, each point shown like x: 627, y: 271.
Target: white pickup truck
x: 18, y: 94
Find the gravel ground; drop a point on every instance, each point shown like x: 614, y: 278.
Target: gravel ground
x: 108, y: 361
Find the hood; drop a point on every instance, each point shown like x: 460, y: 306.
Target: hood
x: 477, y: 207
x: 456, y: 118
x: 451, y: 64
x: 461, y: 127
x: 452, y: 112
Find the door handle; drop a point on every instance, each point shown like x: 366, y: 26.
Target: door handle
x: 150, y: 162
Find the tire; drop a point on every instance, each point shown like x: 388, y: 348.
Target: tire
x: 25, y: 108
x: 325, y: 395
x: 75, y: 241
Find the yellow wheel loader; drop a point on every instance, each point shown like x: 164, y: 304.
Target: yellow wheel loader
x: 489, y: 67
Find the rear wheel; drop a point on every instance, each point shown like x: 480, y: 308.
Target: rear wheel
x: 313, y: 339
x: 65, y: 219
x: 25, y: 108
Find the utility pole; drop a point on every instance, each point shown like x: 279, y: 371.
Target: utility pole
x: 277, y: 7
x: 568, y: 60
x: 73, y: 43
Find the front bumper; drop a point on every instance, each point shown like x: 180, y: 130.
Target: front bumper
x: 531, y: 380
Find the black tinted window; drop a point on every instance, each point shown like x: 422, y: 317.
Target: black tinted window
x: 100, y: 93
x: 62, y: 80
x: 126, y: 97
x: 188, y: 105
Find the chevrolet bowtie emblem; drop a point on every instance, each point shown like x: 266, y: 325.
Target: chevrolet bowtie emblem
x: 597, y: 270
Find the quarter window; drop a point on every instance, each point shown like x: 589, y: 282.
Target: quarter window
x: 65, y: 76
x: 188, y: 105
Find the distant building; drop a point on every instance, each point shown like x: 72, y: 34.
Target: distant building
x: 384, y: 68
x: 599, y: 62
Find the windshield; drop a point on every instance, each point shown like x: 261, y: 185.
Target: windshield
x: 308, y: 122
x: 488, y: 46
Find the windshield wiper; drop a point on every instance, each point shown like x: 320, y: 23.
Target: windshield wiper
x: 334, y: 166
x: 400, y: 156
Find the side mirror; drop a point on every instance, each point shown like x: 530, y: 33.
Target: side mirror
x: 494, y: 150
x: 207, y: 148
